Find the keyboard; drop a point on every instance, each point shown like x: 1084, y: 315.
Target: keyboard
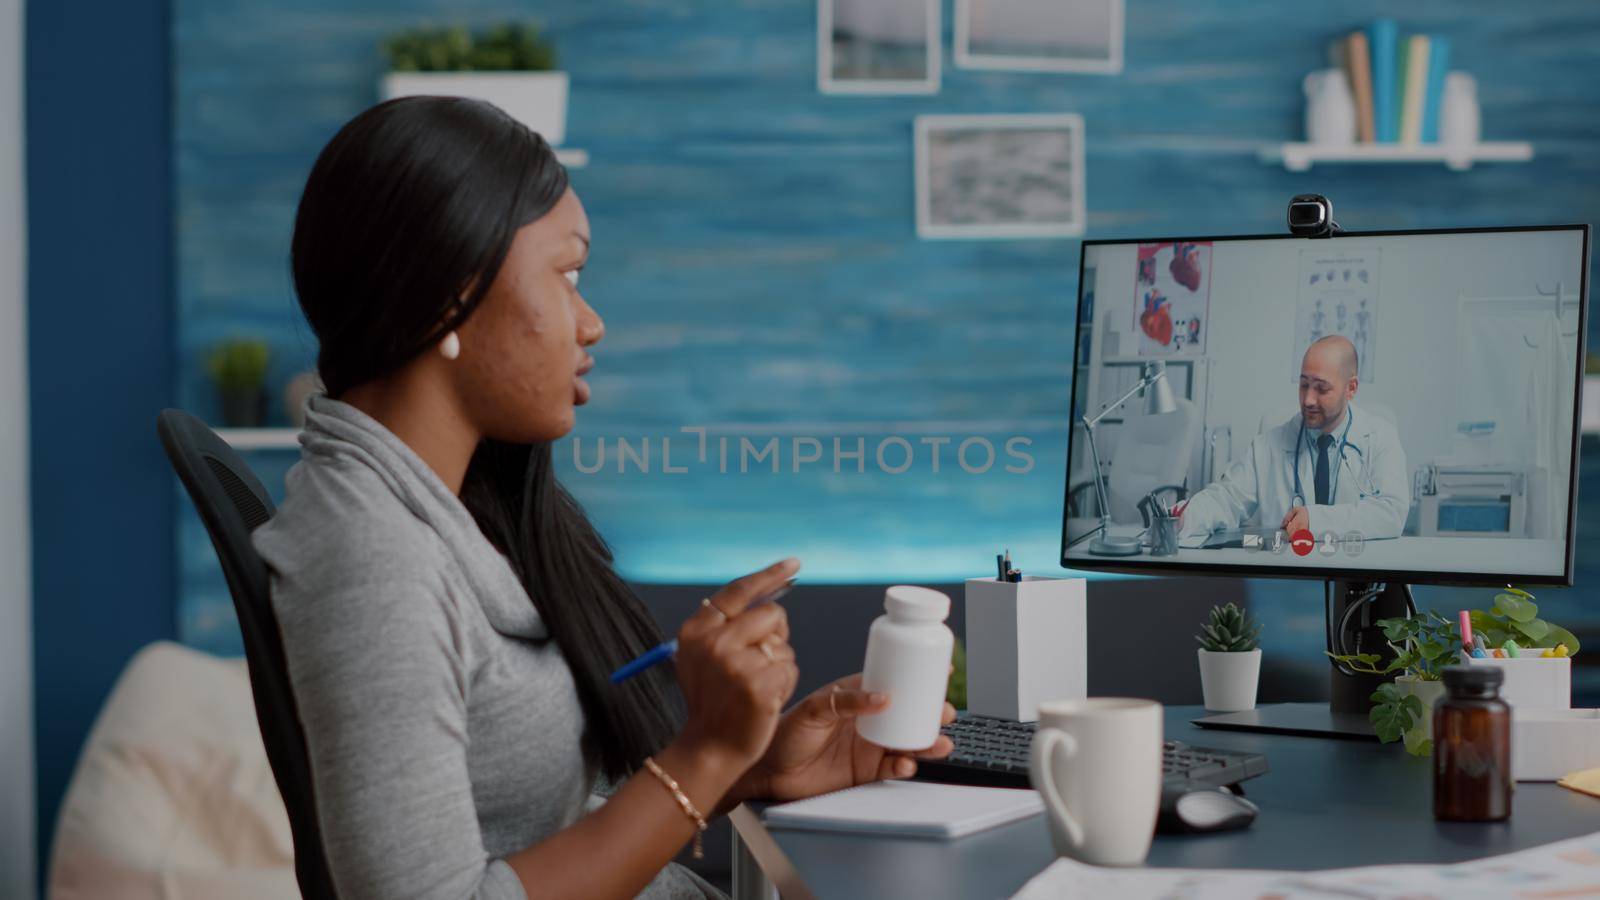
x: 994, y: 753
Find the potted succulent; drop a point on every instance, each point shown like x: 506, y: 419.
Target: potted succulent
x: 238, y: 367
x: 510, y: 65
x: 1230, y: 659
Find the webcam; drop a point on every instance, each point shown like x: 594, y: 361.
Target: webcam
x: 1311, y: 215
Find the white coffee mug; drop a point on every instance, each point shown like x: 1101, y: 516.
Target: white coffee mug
x: 1097, y: 764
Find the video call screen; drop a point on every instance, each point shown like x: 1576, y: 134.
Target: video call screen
x: 1367, y: 402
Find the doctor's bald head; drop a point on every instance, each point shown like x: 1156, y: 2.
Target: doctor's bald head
x: 1327, y: 381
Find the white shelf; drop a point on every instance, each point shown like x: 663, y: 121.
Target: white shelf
x: 572, y: 157
x: 261, y: 438
x: 1298, y: 157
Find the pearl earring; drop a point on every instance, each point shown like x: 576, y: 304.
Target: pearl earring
x: 450, y: 346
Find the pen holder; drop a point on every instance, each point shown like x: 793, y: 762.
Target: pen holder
x: 1532, y: 682
x: 1164, y: 535
x: 1027, y: 643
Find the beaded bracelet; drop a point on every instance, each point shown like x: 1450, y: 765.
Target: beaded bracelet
x: 684, y: 802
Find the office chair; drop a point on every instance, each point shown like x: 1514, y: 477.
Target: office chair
x: 1151, y: 457
x: 232, y: 503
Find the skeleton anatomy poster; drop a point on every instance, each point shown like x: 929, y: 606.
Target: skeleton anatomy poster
x: 1338, y: 294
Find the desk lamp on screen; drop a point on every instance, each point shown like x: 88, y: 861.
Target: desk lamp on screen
x: 1158, y: 401
x: 1369, y: 409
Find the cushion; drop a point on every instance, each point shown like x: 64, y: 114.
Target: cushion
x: 173, y: 796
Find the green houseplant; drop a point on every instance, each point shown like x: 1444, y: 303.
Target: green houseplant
x: 1423, y: 645
x: 956, y: 691
x: 1427, y: 642
x: 1515, y: 616
x: 508, y: 47
x: 1230, y: 659
x: 238, y: 367
x: 512, y: 65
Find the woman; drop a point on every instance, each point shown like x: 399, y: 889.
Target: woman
x: 448, y: 614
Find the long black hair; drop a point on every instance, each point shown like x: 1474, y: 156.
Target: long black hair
x: 406, y: 218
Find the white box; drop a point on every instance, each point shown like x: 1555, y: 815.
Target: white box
x: 1532, y: 682
x: 1027, y: 642
x: 1547, y: 744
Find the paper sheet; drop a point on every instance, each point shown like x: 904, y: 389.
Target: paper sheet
x: 1566, y: 869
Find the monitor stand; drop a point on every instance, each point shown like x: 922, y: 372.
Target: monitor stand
x: 1351, y: 608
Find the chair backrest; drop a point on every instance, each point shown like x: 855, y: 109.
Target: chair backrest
x: 1153, y: 451
x: 232, y: 503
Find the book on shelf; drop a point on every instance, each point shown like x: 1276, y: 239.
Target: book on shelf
x: 1414, y: 85
x: 1359, y: 65
x: 1438, y: 67
x: 1384, y: 37
x: 1397, y: 82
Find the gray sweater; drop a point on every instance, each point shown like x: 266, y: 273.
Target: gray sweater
x: 442, y: 721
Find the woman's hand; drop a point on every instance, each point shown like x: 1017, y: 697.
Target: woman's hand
x: 816, y: 748
x: 736, y: 669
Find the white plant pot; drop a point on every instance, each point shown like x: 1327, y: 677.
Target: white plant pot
x: 1429, y: 692
x: 536, y: 99
x: 1228, y: 680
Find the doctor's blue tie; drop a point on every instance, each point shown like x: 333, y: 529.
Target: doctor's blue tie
x: 1322, y: 468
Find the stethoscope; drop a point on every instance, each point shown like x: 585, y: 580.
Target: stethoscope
x: 1365, y: 490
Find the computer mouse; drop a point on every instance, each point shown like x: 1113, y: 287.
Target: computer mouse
x: 1190, y: 809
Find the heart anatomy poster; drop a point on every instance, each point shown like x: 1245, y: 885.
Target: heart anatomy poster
x: 1172, y: 297
x: 1338, y: 294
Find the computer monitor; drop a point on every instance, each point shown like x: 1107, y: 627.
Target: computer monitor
x: 1366, y: 408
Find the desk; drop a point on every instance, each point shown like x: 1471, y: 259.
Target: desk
x: 1324, y: 804
x: 1428, y: 554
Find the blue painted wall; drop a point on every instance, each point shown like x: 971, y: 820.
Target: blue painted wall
x: 755, y: 260
x: 755, y: 256
x: 100, y: 360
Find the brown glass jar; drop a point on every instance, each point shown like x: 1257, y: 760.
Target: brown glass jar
x: 1472, y: 747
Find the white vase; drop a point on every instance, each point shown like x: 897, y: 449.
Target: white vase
x: 1429, y: 693
x: 1459, y: 118
x: 1228, y: 680
x: 536, y: 99
x: 1330, y: 108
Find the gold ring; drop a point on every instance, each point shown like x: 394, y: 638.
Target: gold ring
x: 833, y: 697
x: 706, y: 602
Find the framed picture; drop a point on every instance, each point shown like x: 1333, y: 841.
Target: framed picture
x: 878, y: 46
x: 1001, y: 176
x: 1083, y: 36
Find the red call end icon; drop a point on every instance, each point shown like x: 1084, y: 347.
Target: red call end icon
x: 1302, y: 542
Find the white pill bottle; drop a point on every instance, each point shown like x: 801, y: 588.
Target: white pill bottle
x: 908, y: 657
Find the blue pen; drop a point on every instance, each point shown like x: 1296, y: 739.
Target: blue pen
x: 649, y: 658
x: 665, y: 650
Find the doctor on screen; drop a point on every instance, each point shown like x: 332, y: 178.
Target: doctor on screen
x: 1329, y: 468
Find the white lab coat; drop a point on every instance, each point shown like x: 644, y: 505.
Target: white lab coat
x: 1371, y: 495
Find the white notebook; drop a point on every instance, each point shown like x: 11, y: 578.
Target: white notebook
x: 912, y: 808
